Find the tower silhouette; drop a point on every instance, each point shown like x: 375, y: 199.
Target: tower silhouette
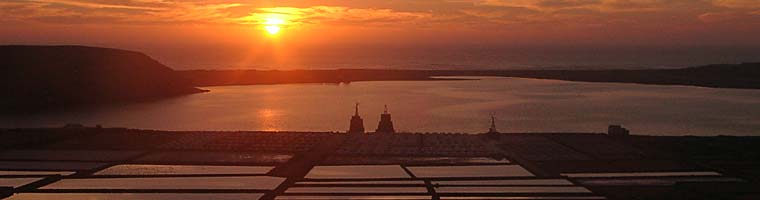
x: 492, y: 129
x: 385, y: 125
x: 357, y: 123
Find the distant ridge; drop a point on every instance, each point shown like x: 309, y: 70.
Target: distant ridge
x: 38, y: 78
x: 43, y: 77
x: 745, y: 76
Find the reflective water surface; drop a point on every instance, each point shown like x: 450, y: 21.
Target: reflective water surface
x: 359, y: 190
x: 134, y: 169
x: 505, y: 182
x: 639, y: 174
x: 159, y: 183
x: 406, y: 182
x: 526, y: 198
x: 357, y: 172
x: 470, y: 171
x: 460, y: 190
x: 520, y: 105
x: 17, y: 182
x: 344, y: 197
x: 134, y: 196
x: 665, y: 181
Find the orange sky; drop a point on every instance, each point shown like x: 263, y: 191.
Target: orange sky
x: 172, y: 24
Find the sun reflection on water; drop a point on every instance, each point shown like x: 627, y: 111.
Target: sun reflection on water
x: 270, y: 119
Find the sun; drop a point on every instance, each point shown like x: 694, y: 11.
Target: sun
x: 273, y: 24
x: 272, y: 29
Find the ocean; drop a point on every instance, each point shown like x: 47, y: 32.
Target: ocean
x: 518, y: 104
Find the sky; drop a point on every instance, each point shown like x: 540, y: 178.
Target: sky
x: 184, y: 30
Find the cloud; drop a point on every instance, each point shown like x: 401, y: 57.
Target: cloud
x: 190, y: 12
x: 333, y: 15
x: 731, y: 17
x: 741, y: 4
x: 718, y: 16
x: 608, y: 6
x: 114, y: 12
x: 390, y: 13
x: 566, y: 3
x: 128, y: 4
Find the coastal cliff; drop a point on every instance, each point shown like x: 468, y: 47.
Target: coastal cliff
x: 44, y: 77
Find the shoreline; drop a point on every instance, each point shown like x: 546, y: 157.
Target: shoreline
x: 735, y: 76
x: 96, y: 129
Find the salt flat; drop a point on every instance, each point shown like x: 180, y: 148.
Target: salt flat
x: 357, y: 172
x: 182, y: 183
x: 135, y: 169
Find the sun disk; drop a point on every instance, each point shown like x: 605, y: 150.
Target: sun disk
x: 272, y: 29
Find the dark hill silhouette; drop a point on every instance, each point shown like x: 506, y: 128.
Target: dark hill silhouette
x: 42, y: 77
x: 746, y: 75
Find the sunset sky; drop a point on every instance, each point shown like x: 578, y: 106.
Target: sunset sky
x: 193, y: 26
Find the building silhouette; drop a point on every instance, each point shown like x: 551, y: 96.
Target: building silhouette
x: 617, y: 130
x: 357, y: 123
x: 386, y: 124
x: 492, y: 129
